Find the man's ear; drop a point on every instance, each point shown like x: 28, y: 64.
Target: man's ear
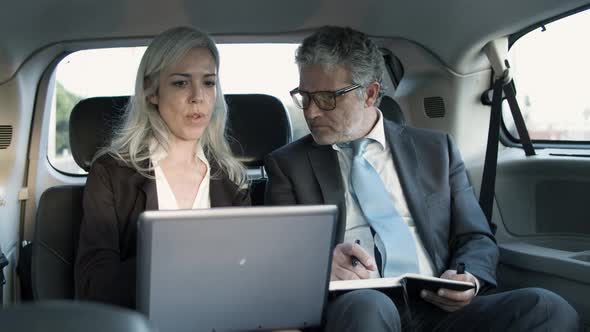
x: 372, y: 93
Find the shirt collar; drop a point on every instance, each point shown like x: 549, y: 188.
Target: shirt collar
x: 376, y: 134
x: 158, y: 153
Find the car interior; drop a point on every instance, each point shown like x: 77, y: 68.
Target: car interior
x: 61, y: 68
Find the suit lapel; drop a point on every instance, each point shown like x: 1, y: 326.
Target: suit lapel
x: 218, y: 195
x: 151, y: 194
x: 221, y: 189
x: 145, y: 185
x: 408, y: 168
x: 326, y: 169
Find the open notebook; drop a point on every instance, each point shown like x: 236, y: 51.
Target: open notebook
x: 414, y: 283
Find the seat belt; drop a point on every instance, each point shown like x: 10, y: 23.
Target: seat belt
x: 502, y: 84
x: 3, y: 264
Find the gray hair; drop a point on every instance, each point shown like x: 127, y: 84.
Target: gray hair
x: 330, y: 46
x: 142, y: 122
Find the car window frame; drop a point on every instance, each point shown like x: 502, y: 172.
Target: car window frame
x: 506, y: 138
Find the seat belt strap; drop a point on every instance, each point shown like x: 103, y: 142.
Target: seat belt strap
x: 523, y: 132
x: 3, y: 264
x: 488, y: 182
x: 486, y: 196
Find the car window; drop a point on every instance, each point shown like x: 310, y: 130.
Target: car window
x: 551, y: 66
x: 245, y: 68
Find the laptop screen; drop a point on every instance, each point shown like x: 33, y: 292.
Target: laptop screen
x: 235, y: 268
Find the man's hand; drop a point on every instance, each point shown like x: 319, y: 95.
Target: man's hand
x: 450, y: 300
x: 342, y: 268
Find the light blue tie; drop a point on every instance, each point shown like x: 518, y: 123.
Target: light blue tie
x: 393, y: 238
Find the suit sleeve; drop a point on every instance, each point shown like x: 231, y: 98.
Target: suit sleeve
x: 242, y: 198
x: 279, y: 189
x: 100, y: 273
x: 471, y: 240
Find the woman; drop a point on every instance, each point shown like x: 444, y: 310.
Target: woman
x: 170, y: 153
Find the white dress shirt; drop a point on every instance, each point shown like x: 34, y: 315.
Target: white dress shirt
x: 378, y: 154
x: 166, y: 198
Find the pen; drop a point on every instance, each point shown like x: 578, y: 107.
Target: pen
x: 461, y: 268
x: 355, y: 260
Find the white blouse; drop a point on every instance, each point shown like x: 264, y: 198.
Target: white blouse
x: 166, y: 198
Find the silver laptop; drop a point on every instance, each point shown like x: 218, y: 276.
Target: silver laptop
x: 235, y: 269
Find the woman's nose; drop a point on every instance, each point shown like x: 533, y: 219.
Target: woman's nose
x: 196, y: 94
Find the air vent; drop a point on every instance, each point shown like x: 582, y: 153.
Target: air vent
x: 434, y: 107
x: 5, y: 136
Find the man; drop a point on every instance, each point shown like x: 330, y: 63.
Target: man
x: 405, y: 203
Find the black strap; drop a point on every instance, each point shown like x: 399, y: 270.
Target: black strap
x: 486, y: 196
x: 523, y: 132
x: 3, y: 264
x: 488, y: 182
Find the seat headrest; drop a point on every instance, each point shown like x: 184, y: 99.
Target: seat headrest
x: 257, y: 124
x: 91, y: 126
x: 392, y: 111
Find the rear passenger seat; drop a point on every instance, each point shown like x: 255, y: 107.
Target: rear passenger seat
x: 68, y: 316
x: 257, y: 125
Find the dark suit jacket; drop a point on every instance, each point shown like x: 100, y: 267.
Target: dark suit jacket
x: 114, y: 197
x: 442, y: 203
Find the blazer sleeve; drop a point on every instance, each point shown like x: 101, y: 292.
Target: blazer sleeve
x: 471, y: 240
x: 242, y: 197
x: 100, y: 273
x: 279, y: 189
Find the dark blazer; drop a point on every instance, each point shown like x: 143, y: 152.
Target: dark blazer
x: 114, y: 197
x: 442, y: 203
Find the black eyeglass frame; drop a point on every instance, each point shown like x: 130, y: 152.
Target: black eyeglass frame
x: 311, y: 95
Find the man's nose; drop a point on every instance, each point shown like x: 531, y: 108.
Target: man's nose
x: 312, y: 111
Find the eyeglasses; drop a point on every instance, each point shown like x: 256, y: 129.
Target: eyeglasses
x: 324, y: 100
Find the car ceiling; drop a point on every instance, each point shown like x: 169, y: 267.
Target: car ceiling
x: 453, y: 30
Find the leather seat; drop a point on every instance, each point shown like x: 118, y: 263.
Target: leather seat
x: 257, y: 124
x: 70, y: 316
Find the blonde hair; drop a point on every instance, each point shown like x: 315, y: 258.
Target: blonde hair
x: 142, y: 122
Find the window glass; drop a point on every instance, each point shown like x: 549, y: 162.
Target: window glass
x: 245, y: 68
x: 551, y: 67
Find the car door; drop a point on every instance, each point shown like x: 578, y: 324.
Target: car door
x: 542, y: 202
